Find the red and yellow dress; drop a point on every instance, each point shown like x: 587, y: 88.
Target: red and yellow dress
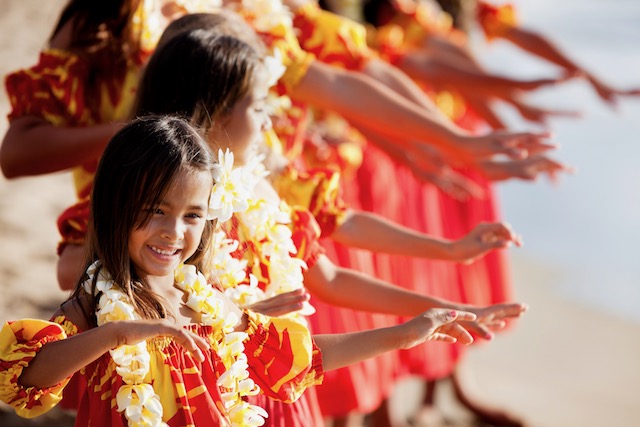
x: 282, y: 360
x: 360, y: 386
x: 305, y: 231
x: 56, y: 90
x: 384, y: 186
x: 486, y: 281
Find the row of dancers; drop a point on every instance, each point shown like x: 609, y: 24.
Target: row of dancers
x: 284, y: 208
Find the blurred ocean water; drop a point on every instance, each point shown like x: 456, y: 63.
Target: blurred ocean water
x: 587, y: 228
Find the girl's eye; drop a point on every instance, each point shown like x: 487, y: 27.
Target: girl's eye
x: 194, y: 216
x: 157, y: 211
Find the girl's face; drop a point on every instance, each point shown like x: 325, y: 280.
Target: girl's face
x: 241, y: 129
x: 174, y: 231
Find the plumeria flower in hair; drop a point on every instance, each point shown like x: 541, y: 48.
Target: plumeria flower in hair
x: 274, y: 67
x: 229, y: 193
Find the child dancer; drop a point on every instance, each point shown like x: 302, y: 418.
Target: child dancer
x: 226, y: 97
x: 155, y: 343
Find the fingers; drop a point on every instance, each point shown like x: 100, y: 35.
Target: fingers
x: 282, y: 304
x: 493, y: 316
x: 455, y: 331
x: 191, y: 342
x: 479, y: 330
x: 526, y: 144
x: 498, y: 234
x: 458, y: 186
x: 197, y: 346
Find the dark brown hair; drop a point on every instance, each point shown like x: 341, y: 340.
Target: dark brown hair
x: 199, y: 75
x: 103, y: 35
x: 138, y: 167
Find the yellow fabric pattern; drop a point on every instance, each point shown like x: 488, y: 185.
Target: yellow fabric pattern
x: 332, y: 38
x: 315, y: 190
x: 282, y: 38
x: 20, y: 341
x: 302, y: 367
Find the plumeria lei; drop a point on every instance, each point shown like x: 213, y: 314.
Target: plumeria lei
x: 136, y: 397
x: 265, y: 224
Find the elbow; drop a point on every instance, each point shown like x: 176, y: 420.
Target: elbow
x: 8, y: 170
x: 11, y: 167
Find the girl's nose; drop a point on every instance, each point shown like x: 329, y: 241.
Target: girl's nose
x: 173, y: 229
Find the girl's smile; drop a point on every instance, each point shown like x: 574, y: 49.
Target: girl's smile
x: 175, y: 227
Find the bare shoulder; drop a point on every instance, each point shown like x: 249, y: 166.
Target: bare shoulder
x: 62, y: 39
x: 77, y: 310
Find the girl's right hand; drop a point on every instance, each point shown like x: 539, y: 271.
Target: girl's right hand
x: 130, y: 332
x: 282, y: 304
x: 437, y: 324
x: 516, y: 145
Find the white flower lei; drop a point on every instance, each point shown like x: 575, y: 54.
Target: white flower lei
x: 136, y: 398
x: 266, y: 225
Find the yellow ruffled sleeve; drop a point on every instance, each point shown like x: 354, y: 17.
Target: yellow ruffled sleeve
x: 317, y: 190
x: 20, y: 342
x: 332, y: 38
x: 283, y: 359
x: 283, y: 39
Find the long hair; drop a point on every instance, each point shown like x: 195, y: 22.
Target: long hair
x: 101, y: 33
x: 197, y: 74
x: 138, y: 166
x: 223, y: 21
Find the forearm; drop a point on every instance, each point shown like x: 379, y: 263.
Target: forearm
x: 440, y: 73
x: 349, y: 288
x: 396, y: 80
x: 367, y: 103
x: 540, y: 46
x: 339, y: 350
x: 33, y: 146
x: 494, y: 170
x: 60, y: 359
x: 392, y: 238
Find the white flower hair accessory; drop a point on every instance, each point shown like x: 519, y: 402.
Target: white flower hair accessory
x: 230, y: 193
x: 274, y: 67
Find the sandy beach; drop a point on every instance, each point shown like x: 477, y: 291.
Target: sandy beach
x: 562, y: 365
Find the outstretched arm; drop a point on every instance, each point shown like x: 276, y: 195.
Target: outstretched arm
x: 349, y: 288
x: 541, y: 46
x: 60, y: 359
x: 528, y: 169
x: 443, y: 72
x: 373, y: 106
x: 392, y: 238
x: 339, y: 350
x: 33, y: 146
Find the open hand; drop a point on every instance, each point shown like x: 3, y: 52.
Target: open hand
x: 516, y: 145
x: 484, y: 238
x: 131, y: 332
x: 437, y: 324
x: 492, y: 318
x: 282, y: 304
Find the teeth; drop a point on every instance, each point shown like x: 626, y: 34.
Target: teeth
x: 161, y: 252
